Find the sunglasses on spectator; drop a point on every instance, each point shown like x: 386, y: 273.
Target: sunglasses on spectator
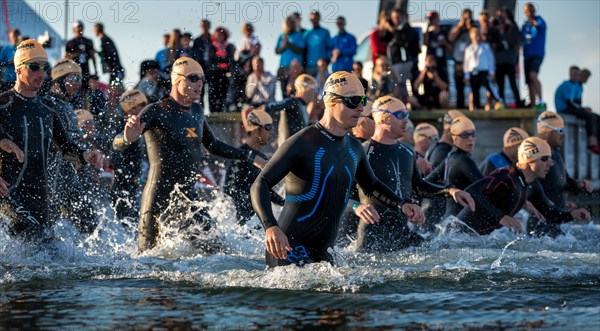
x: 351, y: 102
x: 466, y: 135
x: 194, y: 78
x: 560, y: 131
x: 399, y: 114
x: 36, y: 66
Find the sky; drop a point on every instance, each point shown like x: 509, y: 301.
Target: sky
x: 573, y: 36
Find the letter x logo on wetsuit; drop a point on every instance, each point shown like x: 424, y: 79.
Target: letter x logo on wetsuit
x: 191, y: 133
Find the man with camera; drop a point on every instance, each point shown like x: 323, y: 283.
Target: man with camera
x: 435, y: 86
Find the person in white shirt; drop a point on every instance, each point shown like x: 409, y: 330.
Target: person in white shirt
x: 260, y: 87
x: 480, y: 70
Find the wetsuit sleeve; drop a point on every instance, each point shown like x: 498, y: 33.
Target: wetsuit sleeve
x: 68, y: 148
x: 219, y: 148
x: 437, y: 174
x: 276, y: 198
x: 470, y: 170
x: 275, y: 108
x: 274, y: 171
x: 371, y: 186
x: 3, y: 134
x: 539, y: 199
x: 424, y: 188
x: 482, y: 189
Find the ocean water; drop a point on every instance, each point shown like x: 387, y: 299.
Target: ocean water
x: 459, y: 280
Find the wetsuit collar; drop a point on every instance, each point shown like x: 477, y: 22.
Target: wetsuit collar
x: 326, y: 133
x: 22, y: 97
x: 520, y: 175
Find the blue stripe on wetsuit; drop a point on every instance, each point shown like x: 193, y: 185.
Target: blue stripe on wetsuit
x: 318, y: 200
x: 315, y: 183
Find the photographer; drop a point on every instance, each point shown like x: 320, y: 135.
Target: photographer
x: 435, y: 85
x: 459, y: 36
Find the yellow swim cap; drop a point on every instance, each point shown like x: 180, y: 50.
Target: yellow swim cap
x: 514, y: 136
x: 449, y: 117
x: 305, y: 81
x: 185, y: 66
x: 132, y: 101
x: 28, y: 51
x: 341, y: 83
x: 532, y: 149
x: 424, y: 131
x: 387, y: 103
x: 256, y: 119
x: 64, y: 67
x: 461, y: 124
x: 548, y: 121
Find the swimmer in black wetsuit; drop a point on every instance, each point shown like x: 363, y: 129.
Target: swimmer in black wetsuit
x: 499, y: 196
x: 395, y: 164
x: 241, y: 174
x: 508, y: 156
x: 175, y: 131
x: 27, y: 124
x: 550, y: 127
x: 319, y: 164
x: 434, y: 209
x: 458, y: 169
x: 127, y: 164
x: 425, y: 135
x: 69, y: 193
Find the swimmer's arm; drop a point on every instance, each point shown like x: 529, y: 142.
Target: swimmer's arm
x: 541, y: 201
x: 278, y: 167
x: 69, y: 149
x: 219, y: 148
x: 424, y: 188
x: 479, y: 192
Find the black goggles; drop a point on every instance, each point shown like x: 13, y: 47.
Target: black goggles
x: 466, y: 135
x: 351, y: 102
x: 544, y: 158
x: 36, y: 66
x: 435, y: 139
x: 267, y: 127
x: 194, y: 78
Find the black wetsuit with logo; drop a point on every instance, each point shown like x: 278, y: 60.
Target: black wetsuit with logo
x: 458, y: 171
x: 493, y: 162
x: 502, y: 193
x: 396, y: 166
x: 33, y: 127
x: 319, y: 169
x: 174, y: 136
x: 435, y: 208
x: 238, y: 180
x: 555, y: 184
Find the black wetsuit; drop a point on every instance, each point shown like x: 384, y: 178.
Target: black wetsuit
x: 396, y: 166
x: 127, y: 169
x: 174, y: 138
x: 319, y: 171
x: 555, y: 184
x: 238, y: 180
x: 68, y: 192
x: 504, y: 192
x: 32, y: 126
x: 493, y: 162
x: 289, y: 115
x: 434, y: 209
x: 458, y: 171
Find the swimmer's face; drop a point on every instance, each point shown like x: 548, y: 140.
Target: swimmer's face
x: 31, y: 77
x: 347, y: 117
x: 555, y: 139
x: 541, y: 166
x: 465, y: 140
x: 365, y: 127
x: 72, y: 84
x: 265, y: 134
x: 191, y: 86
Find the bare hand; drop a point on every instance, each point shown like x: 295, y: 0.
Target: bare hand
x: 585, y: 185
x: 534, y: 211
x: 570, y: 205
x: 511, y: 223
x: 367, y: 214
x: 277, y: 243
x: 10, y: 147
x: 133, y: 128
x: 463, y: 198
x: 581, y: 214
x: 95, y: 158
x: 414, y: 213
x: 335, y: 54
x: 3, y: 187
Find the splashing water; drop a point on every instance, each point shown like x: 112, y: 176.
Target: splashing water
x: 456, y: 276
